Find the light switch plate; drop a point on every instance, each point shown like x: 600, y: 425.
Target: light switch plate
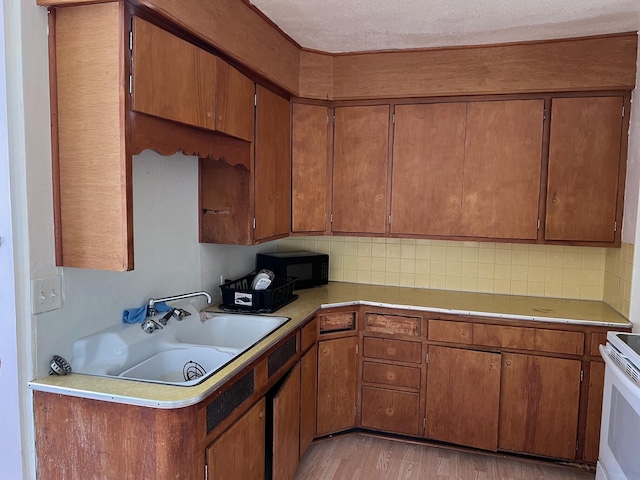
x: 46, y: 294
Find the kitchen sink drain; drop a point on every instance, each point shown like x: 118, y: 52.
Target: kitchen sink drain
x: 192, y: 370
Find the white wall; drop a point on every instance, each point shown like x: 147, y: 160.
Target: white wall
x: 630, y: 231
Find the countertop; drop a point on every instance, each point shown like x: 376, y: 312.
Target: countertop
x: 333, y: 295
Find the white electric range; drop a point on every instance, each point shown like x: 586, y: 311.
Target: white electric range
x: 619, y: 456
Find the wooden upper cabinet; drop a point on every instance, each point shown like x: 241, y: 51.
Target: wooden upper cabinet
x: 584, y: 166
x: 175, y: 80
x: 503, y: 157
x: 360, y: 169
x: 172, y: 79
x: 428, y: 160
x: 272, y: 166
x: 234, y: 102
x: 309, y: 163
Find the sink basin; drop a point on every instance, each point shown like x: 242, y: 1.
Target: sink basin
x: 230, y: 330
x: 209, y: 339
x: 181, y: 366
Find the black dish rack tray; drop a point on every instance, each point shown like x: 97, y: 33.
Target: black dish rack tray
x: 237, y: 295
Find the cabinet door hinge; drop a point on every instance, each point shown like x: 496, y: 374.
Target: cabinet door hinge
x: 327, y: 119
x: 577, y: 445
x: 334, y: 119
x: 254, y: 223
x: 130, y: 83
x: 622, y: 111
x: 255, y: 99
x: 426, y: 358
x: 581, y: 375
x: 356, y: 349
x: 544, y: 115
x: 206, y: 471
x: 331, y: 218
x: 615, y: 226
x: 424, y: 422
x: 389, y: 219
x: 131, y: 40
x: 393, y: 118
x: 538, y: 224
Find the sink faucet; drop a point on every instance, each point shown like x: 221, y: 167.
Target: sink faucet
x: 151, y: 306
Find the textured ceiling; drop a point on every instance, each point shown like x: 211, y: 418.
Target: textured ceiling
x: 357, y: 25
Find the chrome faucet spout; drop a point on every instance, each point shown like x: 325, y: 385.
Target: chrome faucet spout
x: 151, y: 306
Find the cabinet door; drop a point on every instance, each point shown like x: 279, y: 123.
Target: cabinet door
x: 428, y: 158
x: 286, y: 427
x: 503, y: 157
x: 310, y: 147
x: 272, y: 166
x: 584, y: 163
x: 308, y: 378
x: 463, y: 397
x: 360, y: 159
x: 238, y: 454
x: 594, y: 412
x: 337, y: 380
x: 234, y: 102
x: 172, y: 79
x: 539, y: 403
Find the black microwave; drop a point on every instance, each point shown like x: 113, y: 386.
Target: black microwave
x: 310, y: 269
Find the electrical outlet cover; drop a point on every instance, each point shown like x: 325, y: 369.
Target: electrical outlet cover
x: 46, y: 294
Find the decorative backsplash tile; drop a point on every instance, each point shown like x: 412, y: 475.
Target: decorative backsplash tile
x: 518, y: 269
x: 617, y: 277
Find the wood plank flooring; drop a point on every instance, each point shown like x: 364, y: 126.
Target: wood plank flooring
x: 363, y: 457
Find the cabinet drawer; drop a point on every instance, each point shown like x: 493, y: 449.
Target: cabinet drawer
x: 308, y: 334
x: 393, y: 375
x: 556, y: 341
x: 455, y: 332
x: 399, y: 350
x: 334, y: 322
x: 392, y: 324
x: 507, y: 337
x: 390, y: 411
x: 523, y: 338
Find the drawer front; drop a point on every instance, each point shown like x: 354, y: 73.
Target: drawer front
x: 501, y: 336
x: 399, y: 350
x: 455, y: 332
x: 556, y: 341
x: 335, y: 322
x: 309, y: 333
x: 391, y: 411
x: 392, y: 324
x: 597, y: 339
x: 393, y: 375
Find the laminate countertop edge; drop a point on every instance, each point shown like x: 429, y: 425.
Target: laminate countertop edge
x: 336, y: 294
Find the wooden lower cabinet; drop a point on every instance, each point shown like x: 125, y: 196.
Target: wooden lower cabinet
x: 286, y: 427
x: 539, y: 405
x: 308, y: 378
x: 391, y: 410
x: 463, y: 390
x: 239, y: 452
x: 594, y: 412
x: 337, y: 383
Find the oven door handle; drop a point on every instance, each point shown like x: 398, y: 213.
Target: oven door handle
x: 617, y: 371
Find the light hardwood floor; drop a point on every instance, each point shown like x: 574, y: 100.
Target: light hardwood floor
x: 363, y: 457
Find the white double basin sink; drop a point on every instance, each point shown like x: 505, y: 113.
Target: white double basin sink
x: 182, y: 353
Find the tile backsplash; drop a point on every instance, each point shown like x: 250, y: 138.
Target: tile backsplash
x: 517, y: 269
x: 617, y: 277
